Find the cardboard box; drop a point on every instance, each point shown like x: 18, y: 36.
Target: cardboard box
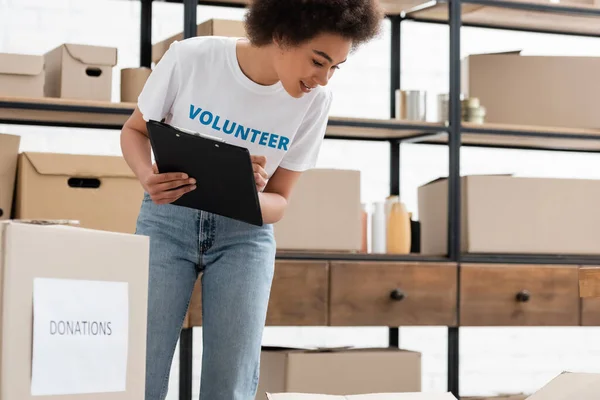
x: 338, y: 371
x: 30, y: 253
x: 132, y: 83
x: 211, y: 27
x: 505, y: 214
x: 9, y: 153
x: 570, y: 386
x: 323, y: 214
x: 99, y: 191
x: 499, y: 397
x: 566, y: 386
x: 534, y: 90
x: 370, y: 396
x: 76, y: 71
x: 21, y: 75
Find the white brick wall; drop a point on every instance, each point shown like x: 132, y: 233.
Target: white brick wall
x: 493, y: 359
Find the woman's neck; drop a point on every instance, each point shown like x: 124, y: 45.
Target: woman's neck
x: 256, y: 62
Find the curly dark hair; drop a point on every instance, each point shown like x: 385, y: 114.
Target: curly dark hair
x: 296, y: 21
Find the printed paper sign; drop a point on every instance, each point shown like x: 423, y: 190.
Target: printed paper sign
x: 80, y: 336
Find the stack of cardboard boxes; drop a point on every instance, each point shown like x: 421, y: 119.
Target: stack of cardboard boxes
x: 101, y: 192
x: 71, y: 71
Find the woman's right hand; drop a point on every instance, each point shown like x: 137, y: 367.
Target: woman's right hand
x: 167, y: 187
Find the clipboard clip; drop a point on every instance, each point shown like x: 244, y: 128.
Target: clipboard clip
x: 203, y: 135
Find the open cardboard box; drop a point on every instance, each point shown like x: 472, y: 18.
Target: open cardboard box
x: 566, y: 386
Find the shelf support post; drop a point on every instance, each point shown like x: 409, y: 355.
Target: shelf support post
x: 146, y: 33
x: 396, y: 24
x: 186, y: 339
x: 190, y: 8
x: 186, y: 364
x: 454, y: 200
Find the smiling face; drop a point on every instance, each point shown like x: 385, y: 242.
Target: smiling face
x: 301, y: 68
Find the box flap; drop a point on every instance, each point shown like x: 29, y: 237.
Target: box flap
x: 92, y: 55
x: 499, y: 53
x: 47, y: 222
x: 21, y: 64
x: 445, y: 178
x: 570, y: 386
x: 372, y: 396
x: 340, y: 349
x: 77, y: 165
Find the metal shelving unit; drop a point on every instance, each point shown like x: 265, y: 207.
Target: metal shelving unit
x: 541, y: 17
x: 451, y: 12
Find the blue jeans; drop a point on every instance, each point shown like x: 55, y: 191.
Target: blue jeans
x: 236, y: 261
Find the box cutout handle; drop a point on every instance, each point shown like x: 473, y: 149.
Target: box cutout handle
x: 84, y: 183
x: 93, y: 72
x: 1, y: 212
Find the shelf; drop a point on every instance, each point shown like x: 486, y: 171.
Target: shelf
x: 348, y: 256
x: 532, y: 259
x: 380, y: 129
x: 390, y: 7
x: 522, y: 137
x: 64, y: 112
x: 536, y: 16
x: 550, y: 259
x: 109, y: 115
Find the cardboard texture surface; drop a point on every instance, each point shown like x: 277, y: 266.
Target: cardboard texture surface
x: 534, y: 90
x: 570, y: 386
x: 9, y: 153
x: 372, y: 396
x: 21, y: 75
x: 28, y: 251
x: 338, y: 371
x: 324, y: 213
x: 99, y: 191
x: 499, y: 397
x: 566, y: 386
x: 504, y: 214
x: 132, y: 83
x: 211, y: 27
x: 82, y: 72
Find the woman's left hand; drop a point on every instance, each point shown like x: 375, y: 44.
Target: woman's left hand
x: 260, y: 175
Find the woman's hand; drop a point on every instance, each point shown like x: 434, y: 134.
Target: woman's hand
x: 260, y: 175
x: 168, y: 187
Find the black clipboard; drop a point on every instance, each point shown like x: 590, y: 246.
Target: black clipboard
x: 224, y: 176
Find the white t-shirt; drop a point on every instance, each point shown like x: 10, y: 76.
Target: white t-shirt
x: 198, y: 85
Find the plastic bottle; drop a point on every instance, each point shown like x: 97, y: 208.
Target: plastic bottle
x: 398, y: 229
x: 364, y: 215
x: 378, y: 235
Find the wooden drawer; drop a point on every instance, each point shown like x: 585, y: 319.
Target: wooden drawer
x: 589, y: 290
x: 518, y: 295
x: 298, y: 295
x: 392, y: 294
x: 590, y: 311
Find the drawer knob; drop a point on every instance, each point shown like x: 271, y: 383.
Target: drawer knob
x: 397, y: 294
x: 523, y: 296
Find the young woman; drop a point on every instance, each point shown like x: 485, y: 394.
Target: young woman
x: 265, y: 92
